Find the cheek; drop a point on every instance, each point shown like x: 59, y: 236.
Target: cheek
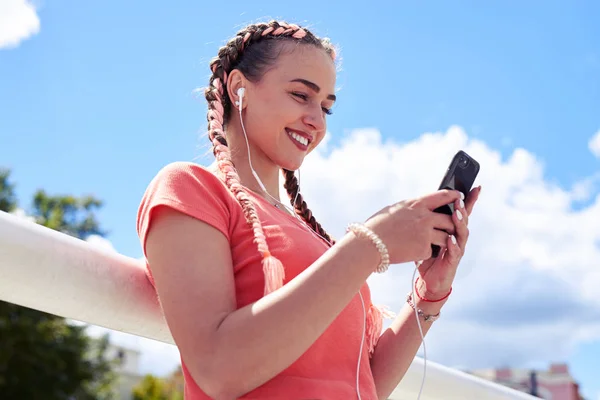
x: 260, y: 118
x: 275, y: 112
x: 317, y: 140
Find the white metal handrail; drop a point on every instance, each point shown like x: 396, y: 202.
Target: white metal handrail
x: 53, y: 272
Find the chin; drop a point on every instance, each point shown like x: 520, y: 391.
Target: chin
x: 291, y: 164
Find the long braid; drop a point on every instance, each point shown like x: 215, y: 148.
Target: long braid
x: 300, y: 206
x: 375, y: 315
x: 219, y: 108
x: 273, y: 269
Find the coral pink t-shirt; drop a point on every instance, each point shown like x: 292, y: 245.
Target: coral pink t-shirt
x: 328, y: 369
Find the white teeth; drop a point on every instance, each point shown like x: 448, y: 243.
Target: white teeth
x: 299, y: 138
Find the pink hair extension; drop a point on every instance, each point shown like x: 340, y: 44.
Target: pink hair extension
x: 272, y: 267
x: 216, y: 96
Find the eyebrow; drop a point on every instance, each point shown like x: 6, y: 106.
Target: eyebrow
x: 314, y: 87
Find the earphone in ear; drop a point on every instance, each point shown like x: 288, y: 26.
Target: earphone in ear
x: 240, y: 93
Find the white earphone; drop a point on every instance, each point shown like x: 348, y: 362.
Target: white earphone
x: 240, y: 93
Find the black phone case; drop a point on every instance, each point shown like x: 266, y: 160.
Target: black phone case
x: 460, y: 176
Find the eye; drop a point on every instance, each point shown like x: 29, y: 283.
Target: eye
x: 300, y: 95
x: 304, y: 97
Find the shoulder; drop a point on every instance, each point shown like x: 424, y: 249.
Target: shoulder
x: 188, y: 188
x: 185, y: 182
x: 186, y: 175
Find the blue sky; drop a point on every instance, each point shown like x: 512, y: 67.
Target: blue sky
x: 101, y: 98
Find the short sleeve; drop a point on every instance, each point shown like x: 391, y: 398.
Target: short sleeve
x: 190, y: 189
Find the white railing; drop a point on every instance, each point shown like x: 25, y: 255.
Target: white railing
x: 52, y: 272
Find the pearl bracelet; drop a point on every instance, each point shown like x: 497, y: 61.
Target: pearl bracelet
x: 362, y: 231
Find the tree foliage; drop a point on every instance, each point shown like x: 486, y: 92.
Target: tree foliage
x: 154, y: 388
x: 8, y: 200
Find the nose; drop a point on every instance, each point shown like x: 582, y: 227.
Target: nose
x: 315, y: 118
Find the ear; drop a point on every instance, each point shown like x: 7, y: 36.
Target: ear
x: 235, y: 81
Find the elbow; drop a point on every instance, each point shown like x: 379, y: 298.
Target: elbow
x: 217, y: 383
x: 218, y: 374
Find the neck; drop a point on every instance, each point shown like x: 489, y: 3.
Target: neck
x: 266, y: 170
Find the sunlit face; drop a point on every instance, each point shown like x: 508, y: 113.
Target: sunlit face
x: 286, y: 111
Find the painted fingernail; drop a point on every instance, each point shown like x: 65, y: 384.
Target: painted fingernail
x: 459, y: 215
x: 462, y: 204
x: 453, y: 238
x: 462, y: 195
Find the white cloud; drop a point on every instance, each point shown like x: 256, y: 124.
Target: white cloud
x: 526, y: 292
x: 582, y: 190
x: 19, y: 212
x: 100, y: 242
x: 18, y: 22
x: 527, y: 287
x: 594, y: 144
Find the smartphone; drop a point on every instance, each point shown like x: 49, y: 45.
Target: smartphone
x: 460, y: 176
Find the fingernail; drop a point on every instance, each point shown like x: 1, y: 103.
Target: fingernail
x: 453, y: 238
x: 459, y: 215
x: 462, y: 204
x: 462, y: 195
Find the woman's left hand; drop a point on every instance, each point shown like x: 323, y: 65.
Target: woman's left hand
x: 437, y: 274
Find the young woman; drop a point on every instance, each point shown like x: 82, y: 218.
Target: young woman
x: 261, y: 302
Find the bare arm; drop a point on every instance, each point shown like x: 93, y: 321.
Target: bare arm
x: 230, y: 351
x: 398, y: 346
x: 192, y: 267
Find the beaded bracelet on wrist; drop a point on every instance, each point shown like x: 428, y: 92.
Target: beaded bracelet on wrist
x: 426, y: 317
x: 362, y: 231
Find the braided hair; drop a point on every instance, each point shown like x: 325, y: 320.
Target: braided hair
x: 252, y: 51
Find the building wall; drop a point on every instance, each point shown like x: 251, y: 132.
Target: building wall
x: 128, y: 370
x: 125, y: 384
x: 556, y: 383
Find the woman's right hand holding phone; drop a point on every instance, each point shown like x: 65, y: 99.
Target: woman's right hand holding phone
x: 409, y: 227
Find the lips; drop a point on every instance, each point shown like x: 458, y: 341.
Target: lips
x: 301, y: 139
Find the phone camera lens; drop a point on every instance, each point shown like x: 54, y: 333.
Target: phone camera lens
x: 463, y: 162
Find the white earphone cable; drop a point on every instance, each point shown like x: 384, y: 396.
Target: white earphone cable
x: 420, y: 330
x: 258, y: 180
x: 362, y: 342
x: 262, y: 186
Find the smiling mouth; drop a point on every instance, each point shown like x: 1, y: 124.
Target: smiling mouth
x: 298, y: 138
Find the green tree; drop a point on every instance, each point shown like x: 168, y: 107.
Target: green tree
x: 154, y: 388
x: 8, y: 200
x: 43, y: 356
x: 67, y: 214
